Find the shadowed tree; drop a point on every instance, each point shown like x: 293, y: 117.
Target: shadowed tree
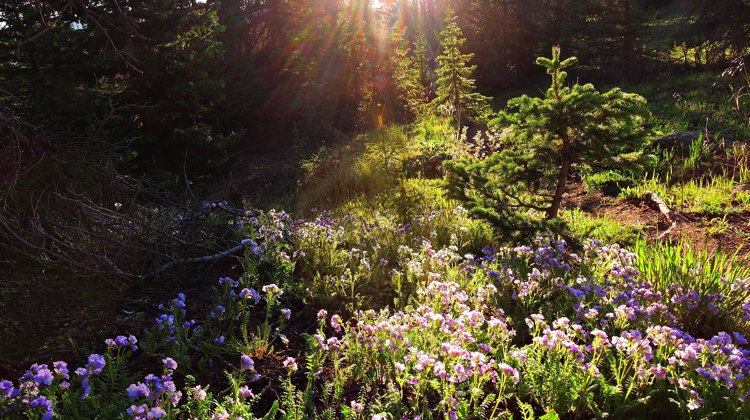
x: 456, y: 87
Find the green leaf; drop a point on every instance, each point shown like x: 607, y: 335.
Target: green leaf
x: 550, y: 415
x: 272, y: 412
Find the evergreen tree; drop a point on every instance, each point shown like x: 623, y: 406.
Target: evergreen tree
x: 544, y: 138
x: 409, y: 76
x: 456, y: 90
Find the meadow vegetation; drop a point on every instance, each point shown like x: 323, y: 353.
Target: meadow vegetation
x: 460, y: 261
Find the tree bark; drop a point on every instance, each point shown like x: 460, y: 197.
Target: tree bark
x: 562, y: 180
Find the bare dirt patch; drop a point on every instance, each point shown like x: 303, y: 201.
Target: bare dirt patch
x: 714, y: 233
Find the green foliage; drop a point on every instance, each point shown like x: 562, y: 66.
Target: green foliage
x: 410, y: 76
x: 344, y: 268
x: 495, y: 189
x: 543, y: 139
x: 693, y: 102
x: 711, y: 274
x: 705, y: 195
x: 603, y: 229
x: 368, y: 165
x: 456, y: 94
x: 436, y: 136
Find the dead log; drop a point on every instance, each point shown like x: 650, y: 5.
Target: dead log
x: 665, y: 210
x: 663, y: 207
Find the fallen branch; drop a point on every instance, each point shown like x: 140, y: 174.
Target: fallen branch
x: 165, y: 267
x: 665, y: 210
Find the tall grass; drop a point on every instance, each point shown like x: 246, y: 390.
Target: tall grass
x: 367, y: 166
x: 603, y: 229
x: 713, y: 196
x: 722, y: 282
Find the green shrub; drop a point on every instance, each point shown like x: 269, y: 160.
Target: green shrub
x: 435, y: 136
x: 545, y: 138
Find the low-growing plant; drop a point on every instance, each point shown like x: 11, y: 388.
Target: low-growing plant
x: 538, y: 329
x: 720, y: 285
x: 370, y: 164
x: 716, y: 195
x: 604, y: 229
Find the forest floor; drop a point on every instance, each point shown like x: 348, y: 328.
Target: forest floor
x: 728, y: 234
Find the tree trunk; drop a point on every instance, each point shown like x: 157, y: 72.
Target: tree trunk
x: 562, y: 179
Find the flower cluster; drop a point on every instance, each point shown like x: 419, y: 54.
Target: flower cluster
x: 574, y: 332
x: 153, y: 396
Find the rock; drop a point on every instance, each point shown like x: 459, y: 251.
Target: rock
x: 681, y: 141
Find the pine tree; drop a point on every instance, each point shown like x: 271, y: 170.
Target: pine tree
x: 409, y: 76
x: 544, y: 138
x: 456, y: 90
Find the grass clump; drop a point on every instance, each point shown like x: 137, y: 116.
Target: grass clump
x: 370, y: 164
x: 707, y: 195
x: 604, y: 229
x: 714, y: 285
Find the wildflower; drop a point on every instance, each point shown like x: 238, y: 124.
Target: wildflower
x: 169, y: 364
x: 156, y: 413
x: 509, y: 370
x: 520, y: 355
x: 336, y: 323
x: 439, y: 370
x: 218, y: 311
x: 96, y: 364
x: 659, y: 372
x: 61, y: 369
x: 200, y: 393
x: 175, y: 398
x: 219, y: 340
x: 44, y: 403
x: 706, y: 373
x: 322, y: 314
x: 250, y: 293
x: 272, y: 290
x: 136, y: 391
x: 137, y: 410
x: 333, y: 343
x: 290, y: 364
x: 695, y: 402
x: 459, y: 374
x: 245, y: 392
x: 247, y: 362
x: 358, y: 407
x: 7, y: 390
x: 43, y: 376
x: 287, y: 313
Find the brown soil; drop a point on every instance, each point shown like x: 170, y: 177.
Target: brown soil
x: 702, y: 230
